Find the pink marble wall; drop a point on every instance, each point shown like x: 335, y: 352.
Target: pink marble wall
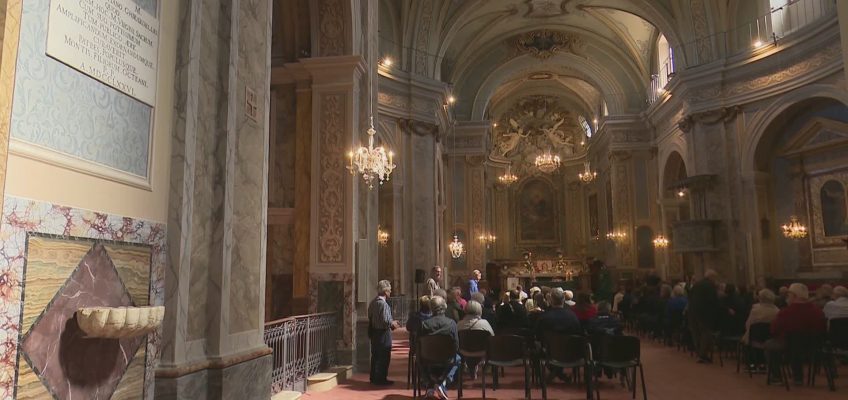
x: 21, y: 216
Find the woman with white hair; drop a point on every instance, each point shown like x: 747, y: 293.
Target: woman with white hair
x: 763, y: 311
x: 474, y: 321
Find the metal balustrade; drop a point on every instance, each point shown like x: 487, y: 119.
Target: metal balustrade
x: 400, y: 308
x: 765, y: 30
x: 302, y: 346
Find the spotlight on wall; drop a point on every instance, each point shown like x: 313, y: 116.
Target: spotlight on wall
x: 681, y: 193
x: 758, y: 43
x: 387, y: 61
x: 451, y: 99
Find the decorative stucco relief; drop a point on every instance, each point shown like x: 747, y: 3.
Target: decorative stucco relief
x: 331, y: 194
x: 543, y: 44
x: 422, y: 40
x: 711, y: 117
x: 702, y: 31
x: 332, y: 28
x: 829, y: 54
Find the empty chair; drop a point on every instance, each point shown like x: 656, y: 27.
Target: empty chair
x: 472, y: 344
x: 507, y: 351
x: 434, y: 353
x: 621, y: 352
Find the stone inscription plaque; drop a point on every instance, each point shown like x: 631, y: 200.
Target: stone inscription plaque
x: 113, y: 41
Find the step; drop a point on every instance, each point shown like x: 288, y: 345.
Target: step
x: 287, y: 395
x: 343, y: 372
x: 321, y: 382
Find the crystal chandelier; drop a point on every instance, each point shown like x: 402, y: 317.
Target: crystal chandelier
x: 508, y: 178
x: 616, y: 235
x: 660, y: 242
x: 382, y: 236
x: 794, y: 230
x: 370, y: 162
x: 457, y: 249
x: 587, y: 175
x: 547, y: 163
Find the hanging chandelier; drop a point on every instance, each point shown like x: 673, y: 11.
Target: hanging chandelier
x: 382, y: 236
x: 794, y: 229
x: 457, y: 249
x: 547, y: 163
x: 587, y: 175
x: 616, y: 235
x: 370, y: 162
x: 660, y: 242
x: 508, y: 178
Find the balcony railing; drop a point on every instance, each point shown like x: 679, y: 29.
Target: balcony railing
x: 302, y: 346
x: 766, y: 29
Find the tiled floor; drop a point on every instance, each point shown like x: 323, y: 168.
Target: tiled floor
x: 670, y: 375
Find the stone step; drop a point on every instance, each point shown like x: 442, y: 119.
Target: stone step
x: 321, y: 382
x: 287, y: 395
x: 343, y: 372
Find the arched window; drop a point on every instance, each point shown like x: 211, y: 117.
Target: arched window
x: 665, y: 61
x: 585, y: 125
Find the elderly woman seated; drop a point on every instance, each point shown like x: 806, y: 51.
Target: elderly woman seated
x: 473, y: 321
x: 763, y: 311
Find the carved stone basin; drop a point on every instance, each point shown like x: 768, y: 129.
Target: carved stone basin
x: 119, y: 322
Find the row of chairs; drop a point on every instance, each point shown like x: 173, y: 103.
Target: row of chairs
x: 614, y: 353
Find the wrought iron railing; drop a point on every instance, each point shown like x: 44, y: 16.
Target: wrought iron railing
x: 302, y: 345
x: 400, y: 308
x: 765, y: 30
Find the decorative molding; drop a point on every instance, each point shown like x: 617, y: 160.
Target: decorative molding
x: 422, y: 38
x: 546, y: 8
x: 702, y: 31
x: 331, y: 199
x: 711, y: 117
x: 62, y: 160
x: 332, y: 28
x: 542, y: 44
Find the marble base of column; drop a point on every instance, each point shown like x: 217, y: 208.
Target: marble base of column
x: 224, y: 380
x: 363, y: 350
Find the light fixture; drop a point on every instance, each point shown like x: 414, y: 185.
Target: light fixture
x: 616, y: 235
x: 681, y: 193
x: 794, y: 229
x: 508, y: 178
x: 660, y: 242
x: 487, y: 239
x: 582, y: 142
x: 457, y: 249
x: 373, y: 163
x: 387, y: 61
x: 382, y: 236
x: 587, y: 175
x: 547, y: 162
x: 451, y: 99
x: 494, y: 125
x: 758, y: 43
x: 660, y: 91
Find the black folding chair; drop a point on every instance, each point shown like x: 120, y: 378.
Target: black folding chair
x: 758, y: 334
x: 621, y: 353
x: 472, y: 344
x: 567, y: 351
x: 410, y: 361
x: 835, y: 347
x: 434, y: 352
x: 506, y: 351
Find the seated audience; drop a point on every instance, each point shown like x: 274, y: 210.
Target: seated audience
x: 454, y: 310
x: 569, y: 298
x: 473, y: 321
x: 801, y: 316
x: 512, y: 315
x: 824, y: 294
x: 488, y: 308
x: 413, y: 323
x: 763, y: 311
x: 616, y: 300
x: 838, y: 307
x: 540, y: 305
x: 559, y: 320
x: 584, y: 309
x: 780, y: 302
x: 439, y: 324
x: 522, y: 295
x: 604, y: 323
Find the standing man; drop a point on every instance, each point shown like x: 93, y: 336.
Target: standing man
x: 703, y: 315
x: 380, y: 327
x: 473, y: 283
x: 435, y: 278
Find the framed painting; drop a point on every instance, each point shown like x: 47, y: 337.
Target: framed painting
x: 828, y: 194
x: 536, y: 213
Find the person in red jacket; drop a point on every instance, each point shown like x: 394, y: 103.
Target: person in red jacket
x: 800, y: 316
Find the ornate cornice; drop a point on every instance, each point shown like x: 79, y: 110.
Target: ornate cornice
x: 711, y: 117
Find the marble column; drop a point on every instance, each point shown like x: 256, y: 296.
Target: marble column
x: 302, y: 199
x: 842, y: 12
x: 622, y: 207
x: 213, y: 331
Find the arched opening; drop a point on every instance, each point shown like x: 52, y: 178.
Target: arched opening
x: 674, y: 208
x: 801, y: 173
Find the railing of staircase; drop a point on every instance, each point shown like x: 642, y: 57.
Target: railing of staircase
x: 302, y: 346
x: 400, y: 308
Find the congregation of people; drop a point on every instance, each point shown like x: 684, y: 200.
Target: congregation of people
x: 696, y: 315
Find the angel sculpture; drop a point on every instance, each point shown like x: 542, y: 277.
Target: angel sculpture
x: 558, y: 138
x: 510, y: 139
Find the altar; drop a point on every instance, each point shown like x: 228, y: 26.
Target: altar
x: 563, y: 272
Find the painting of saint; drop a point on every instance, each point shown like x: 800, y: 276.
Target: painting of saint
x: 834, y: 207
x: 536, y: 211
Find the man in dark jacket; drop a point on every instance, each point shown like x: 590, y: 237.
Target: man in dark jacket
x: 439, y: 324
x: 380, y: 327
x: 557, y: 319
x: 703, y: 314
x: 512, y: 315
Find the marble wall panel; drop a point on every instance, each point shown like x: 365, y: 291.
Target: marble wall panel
x: 323, y: 289
x: 22, y: 217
